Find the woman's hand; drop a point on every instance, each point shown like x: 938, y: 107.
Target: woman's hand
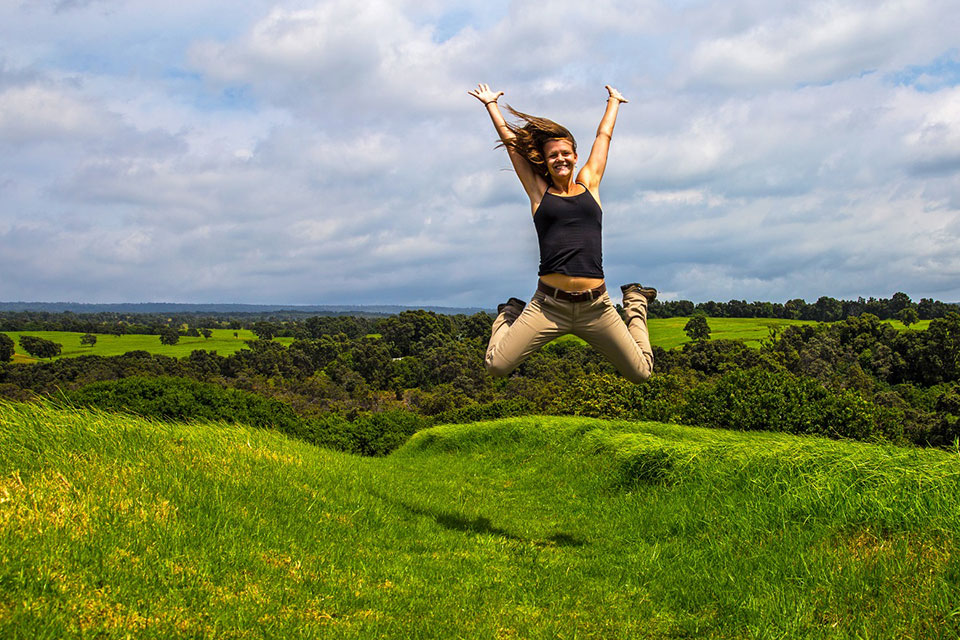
x: 484, y: 94
x: 616, y: 95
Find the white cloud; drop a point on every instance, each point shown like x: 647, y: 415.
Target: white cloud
x: 367, y: 57
x: 818, y: 42
x: 34, y: 113
x: 934, y: 143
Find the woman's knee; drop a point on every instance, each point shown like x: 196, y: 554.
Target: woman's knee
x: 638, y: 376
x: 497, y: 367
x: 640, y: 371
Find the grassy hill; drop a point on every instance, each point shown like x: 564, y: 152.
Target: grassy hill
x: 522, y: 528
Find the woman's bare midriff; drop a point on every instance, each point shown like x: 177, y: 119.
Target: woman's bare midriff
x: 571, y: 284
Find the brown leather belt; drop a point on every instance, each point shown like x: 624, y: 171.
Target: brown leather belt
x: 578, y: 296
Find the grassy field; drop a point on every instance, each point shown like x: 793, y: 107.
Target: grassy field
x: 667, y: 333
x: 223, y: 341
x: 522, y: 528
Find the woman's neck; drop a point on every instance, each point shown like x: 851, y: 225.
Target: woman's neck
x: 565, y: 189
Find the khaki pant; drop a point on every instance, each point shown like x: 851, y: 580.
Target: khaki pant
x: 516, y: 336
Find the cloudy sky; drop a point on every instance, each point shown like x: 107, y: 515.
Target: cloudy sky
x: 326, y: 151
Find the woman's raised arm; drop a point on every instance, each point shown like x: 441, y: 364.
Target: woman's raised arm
x: 533, y: 184
x: 592, y: 171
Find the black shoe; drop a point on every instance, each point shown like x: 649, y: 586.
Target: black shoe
x: 512, y: 302
x: 647, y: 292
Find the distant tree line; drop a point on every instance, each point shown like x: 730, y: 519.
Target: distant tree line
x: 857, y: 378
x: 825, y: 309
x: 109, y: 323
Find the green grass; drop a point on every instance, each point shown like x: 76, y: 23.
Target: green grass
x: 667, y: 333
x: 920, y: 325
x: 222, y: 341
x: 522, y: 528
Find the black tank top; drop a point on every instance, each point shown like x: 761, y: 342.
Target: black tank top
x: 568, y: 229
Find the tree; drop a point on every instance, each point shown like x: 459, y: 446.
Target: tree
x: 39, y: 348
x: 370, y: 357
x: 408, y: 329
x: 898, y: 303
x: 264, y: 330
x: 169, y: 335
x: 88, y: 340
x: 6, y: 348
x: 828, y: 309
x: 206, y: 333
x: 908, y: 316
x: 697, y: 328
x: 938, y: 357
x: 793, y: 309
x: 476, y: 326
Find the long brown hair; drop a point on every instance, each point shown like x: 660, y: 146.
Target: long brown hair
x: 532, y: 135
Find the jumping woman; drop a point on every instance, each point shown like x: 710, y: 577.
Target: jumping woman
x: 571, y: 295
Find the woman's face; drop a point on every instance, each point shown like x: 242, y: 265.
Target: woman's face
x: 560, y: 158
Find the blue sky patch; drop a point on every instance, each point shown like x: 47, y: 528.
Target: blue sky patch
x: 942, y: 72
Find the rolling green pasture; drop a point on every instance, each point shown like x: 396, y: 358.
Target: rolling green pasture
x: 667, y: 333
x: 535, y: 527
x: 222, y: 341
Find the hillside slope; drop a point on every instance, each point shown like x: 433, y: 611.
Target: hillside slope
x: 532, y: 527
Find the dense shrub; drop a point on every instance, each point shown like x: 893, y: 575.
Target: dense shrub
x: 611, y: 396
x: 946, y: 434
x: 489, y: 411
x: 7, y: 348
x: 73, y: 373
x: 375, y: 434
x: 778, y: 401
x: 933, y: 355
x: 183, y: 399
x: 755, y: 399
x: 719, y: 356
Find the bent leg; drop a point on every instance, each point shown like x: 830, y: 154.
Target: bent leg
x: 514, y: 340
x: 635, y: 310
x: 627, y: 349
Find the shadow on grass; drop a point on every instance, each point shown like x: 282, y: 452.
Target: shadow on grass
x: 482, y: 525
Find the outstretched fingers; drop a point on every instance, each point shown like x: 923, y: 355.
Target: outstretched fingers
x: 616, y: 94
x: 485, y: 94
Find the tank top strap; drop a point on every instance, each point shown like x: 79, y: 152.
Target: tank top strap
x: 547, y: 190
